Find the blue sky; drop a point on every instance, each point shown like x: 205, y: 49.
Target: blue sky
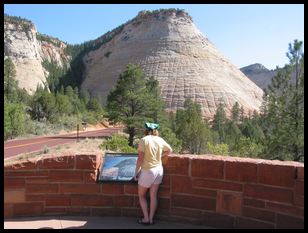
x: 244, y: 33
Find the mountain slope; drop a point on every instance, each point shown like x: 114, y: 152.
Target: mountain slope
x: 28, y: 49
x: 169, y: 47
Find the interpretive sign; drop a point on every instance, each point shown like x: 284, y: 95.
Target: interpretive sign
x: 118, y: 167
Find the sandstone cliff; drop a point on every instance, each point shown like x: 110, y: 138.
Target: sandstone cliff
x: 262, y: 76
x: 168, y: 46
x: 259, y: 74
x: 27, y: 49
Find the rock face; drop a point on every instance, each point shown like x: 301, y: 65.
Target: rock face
x: 259, y: 74
x: 262, y: 76
x: 168, y: 46
x: 21, y: 44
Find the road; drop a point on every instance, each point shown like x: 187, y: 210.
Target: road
x: 15, y: 147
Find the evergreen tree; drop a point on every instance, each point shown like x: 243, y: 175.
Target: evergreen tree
x: 10, y: 84
x: 284, y: 125
x: 232, y: 134
x: 43, y: 106
x: 219, y: 122
x: 132, y: 101
x: 64, y: 105
x: 14, y: 120
x: 192, y: 129
x: 84, y: 96
x: 235, y: 112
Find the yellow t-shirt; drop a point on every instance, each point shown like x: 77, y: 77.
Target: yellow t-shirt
x: 152, y: 146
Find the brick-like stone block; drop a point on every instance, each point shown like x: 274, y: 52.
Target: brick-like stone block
x: 106, y: 211
x: 41, y: 188
x: 60, y: 162
x: 178, y: 211
x: 193, y: 202
x: 163, y: 203
x: 177, y: 165
x: 289, y: 222
x: 248, y: 223
x: 28, y: 209
x: 33, y: 173
x: 268, y: 193
x: 86, y: 162
x: 37, y: 180
x: 207, y: 168
x: 218, y: 220
x: 79, y: 188
x: 254, y: 203
x: 299, y: 200
x: 57, y: 200
x: 166, y: 180
x: 66, y: 176
x: 277, y: 175
x: 78, y: 211
x: 204, y: 192
x: 112, y: 188
x: 91, y: 200
x: 300, y: 173
x: 164, y: 191
x: 215, y: 184
x: 55, y: 211
x: 120, y: 201
x: 229, y: 203
x: 35, y: 197
x: 285, y: 209
x: 131, y: 189
x: 260, y: 214
x: 181, y: 184
x: 14, y: 196
x: 241, y: 171
x: 8, y: 210
x: 90, y: 177
x: 22, y: 165
x: 14, y: 183
x: 299, y: 187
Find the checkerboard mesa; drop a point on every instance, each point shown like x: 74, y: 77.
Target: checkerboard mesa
x: 169, y: 46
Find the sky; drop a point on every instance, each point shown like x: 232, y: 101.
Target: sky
x: 244, y: 33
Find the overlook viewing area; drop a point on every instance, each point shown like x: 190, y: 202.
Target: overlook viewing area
x: 198, y: 191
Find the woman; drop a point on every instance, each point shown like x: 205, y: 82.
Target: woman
x: 150, y: 150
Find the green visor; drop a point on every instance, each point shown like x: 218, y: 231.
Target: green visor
x: 151, y: 125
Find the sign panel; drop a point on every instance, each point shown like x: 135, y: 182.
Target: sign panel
x: 118, y: 167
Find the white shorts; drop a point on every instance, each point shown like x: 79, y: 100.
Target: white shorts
x: 152, y: 176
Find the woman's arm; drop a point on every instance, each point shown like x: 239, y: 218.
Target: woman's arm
x: 138, y: 164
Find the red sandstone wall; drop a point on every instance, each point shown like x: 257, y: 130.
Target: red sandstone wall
x: 224, y: 192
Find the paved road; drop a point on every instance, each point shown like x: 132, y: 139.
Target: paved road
x: 15, y: 147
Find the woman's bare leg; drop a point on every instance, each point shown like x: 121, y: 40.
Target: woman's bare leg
x: 153, y: 202
x: 142, y: 191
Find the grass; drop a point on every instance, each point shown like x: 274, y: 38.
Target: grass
x: 83, y: 146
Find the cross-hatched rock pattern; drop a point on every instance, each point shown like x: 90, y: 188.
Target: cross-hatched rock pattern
x: 169, y: 47
x: 28, y: 53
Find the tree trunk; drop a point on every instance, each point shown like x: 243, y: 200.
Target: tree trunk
x: 131, y: 132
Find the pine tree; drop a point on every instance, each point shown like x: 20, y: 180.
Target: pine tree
x: 235, y: 113
x: 219, y: 122
x: 192, y: 129
x: 10, y: 84
x: 284, y: 126
x: 133, y: 101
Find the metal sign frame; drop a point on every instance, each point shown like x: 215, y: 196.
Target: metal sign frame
x: 117, y: 167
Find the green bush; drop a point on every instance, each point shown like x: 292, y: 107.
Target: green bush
x: 218, y: 149
x: 117, y: 143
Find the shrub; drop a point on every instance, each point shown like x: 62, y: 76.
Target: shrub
x: 218, y: 149
x: 117, y: 143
